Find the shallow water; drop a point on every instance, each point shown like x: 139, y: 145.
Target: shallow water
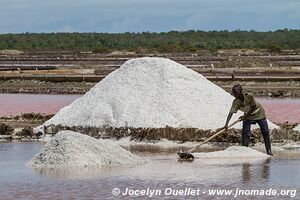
x: 19, y: 181
x: 12, y: 104
x: 282, y: 110
x: 278, y: 110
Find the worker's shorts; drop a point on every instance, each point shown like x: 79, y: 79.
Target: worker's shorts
x: 262, y: 123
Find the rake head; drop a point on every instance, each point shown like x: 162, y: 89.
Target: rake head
x: 186, y: 155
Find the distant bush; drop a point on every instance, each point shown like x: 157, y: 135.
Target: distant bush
x: 173, y: 41
x: 213, y: 50
x: 100, y: 49
x: 274, y: 48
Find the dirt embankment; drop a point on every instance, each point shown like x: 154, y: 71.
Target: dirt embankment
x: 21, y: 127
x: 9, y: 131
x: 43, y: 87
x: 262, y: 73
x: 179, y: 134
x: 274, y: 89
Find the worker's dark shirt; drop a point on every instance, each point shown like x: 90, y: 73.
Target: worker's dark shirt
x: 245, y: 106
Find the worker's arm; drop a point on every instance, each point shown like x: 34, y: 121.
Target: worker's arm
x: 227, y: 120
x: 234, y: 108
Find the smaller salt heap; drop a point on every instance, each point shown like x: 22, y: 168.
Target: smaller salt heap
x: 297, y: 128
x: 232, y: 152
x: 70, y: 149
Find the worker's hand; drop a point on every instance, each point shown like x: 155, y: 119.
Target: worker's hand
x: 242, y: 118
x: 225, y: 127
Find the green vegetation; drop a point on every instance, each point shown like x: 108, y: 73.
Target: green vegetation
x: 173, y: 41
x: 274, y: 48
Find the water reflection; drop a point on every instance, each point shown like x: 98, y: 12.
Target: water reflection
x: 200, y: 170
x: 266, y: 169
x: 248, y: 174
x: 83, y: 172
x: 20, y: 182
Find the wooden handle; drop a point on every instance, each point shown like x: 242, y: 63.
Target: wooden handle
x: 213, y: 136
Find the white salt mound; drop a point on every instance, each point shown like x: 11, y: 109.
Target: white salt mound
x: 68, y: 149
x: 297, y: 128
x: 150, y: 92
x: 233, y: 152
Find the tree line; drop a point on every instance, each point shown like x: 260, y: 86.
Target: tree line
x: 173, y: 41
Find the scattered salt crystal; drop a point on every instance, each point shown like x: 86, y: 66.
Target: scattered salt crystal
x: 233, y: 152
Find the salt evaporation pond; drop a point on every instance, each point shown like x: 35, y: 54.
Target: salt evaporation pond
x: 278, y: 110
x: 13, y: 104
x: 19, y: 181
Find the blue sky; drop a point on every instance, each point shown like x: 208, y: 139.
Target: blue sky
x: 18, y: 16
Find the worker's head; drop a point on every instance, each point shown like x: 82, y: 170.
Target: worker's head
x: 237, y: 90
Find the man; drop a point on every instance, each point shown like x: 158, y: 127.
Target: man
x: 253, y: 113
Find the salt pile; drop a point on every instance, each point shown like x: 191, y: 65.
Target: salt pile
x: 233, y: 152
x: 297, y: 128
x: 68, y: 149
x: 150, y: 92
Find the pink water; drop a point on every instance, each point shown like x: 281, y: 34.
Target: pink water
x: 278, y: 110
x: 282, y: 110
x: 12, y: 104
